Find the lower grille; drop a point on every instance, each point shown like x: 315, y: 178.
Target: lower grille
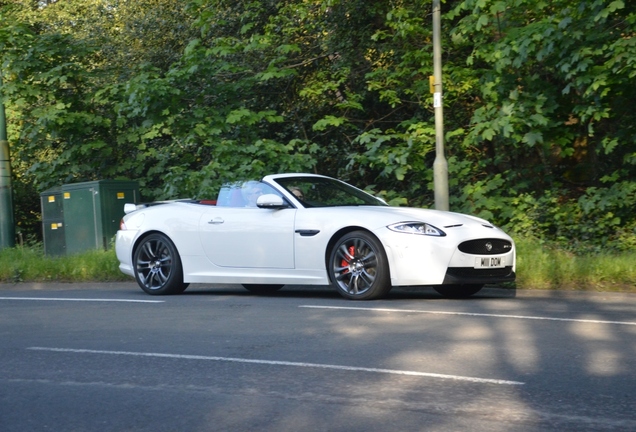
x: 467, y: 272
x: 467, y: 275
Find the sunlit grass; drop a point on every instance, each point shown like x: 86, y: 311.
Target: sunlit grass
x: 538, y: 267
x: 543, y: 267
x: 29, y: 264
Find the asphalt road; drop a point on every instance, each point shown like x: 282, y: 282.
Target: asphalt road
x: 107, y: 357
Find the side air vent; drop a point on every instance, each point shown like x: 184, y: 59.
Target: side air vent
x: 486, y: 247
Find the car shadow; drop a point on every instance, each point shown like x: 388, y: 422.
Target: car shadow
x: 326, y: 291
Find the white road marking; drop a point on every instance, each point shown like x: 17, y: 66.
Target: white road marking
x: 282, y: 363
x: 471, y: 314
x: 81, y: 299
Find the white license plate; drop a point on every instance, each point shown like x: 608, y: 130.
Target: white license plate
x: 490, y: 262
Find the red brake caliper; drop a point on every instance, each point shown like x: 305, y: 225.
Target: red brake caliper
x: 345, y: 262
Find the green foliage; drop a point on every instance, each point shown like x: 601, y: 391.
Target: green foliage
x: 232, y: 161
x: 182, y: 96
x: 555, y: 87
x: 600, y: 220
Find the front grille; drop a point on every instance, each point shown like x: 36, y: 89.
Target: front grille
x: 486, y: 247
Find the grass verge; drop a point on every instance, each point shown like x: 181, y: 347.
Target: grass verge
x: 29, y: 264
x: 545, y: 267
x: 538, y: 267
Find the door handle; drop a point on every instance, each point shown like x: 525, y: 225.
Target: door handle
x: 216, y: 221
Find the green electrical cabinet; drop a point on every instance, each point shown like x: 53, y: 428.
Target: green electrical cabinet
x: 53, y: 222
x: 92, y: 212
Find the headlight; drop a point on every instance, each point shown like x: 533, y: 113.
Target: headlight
x: 417, y: 228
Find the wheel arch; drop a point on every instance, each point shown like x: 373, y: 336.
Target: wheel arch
x: 346, y: 230
x: 173, y: 284
x: 149, y: 233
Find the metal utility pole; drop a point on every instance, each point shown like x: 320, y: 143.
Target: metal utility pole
x: 440, y: 166
x: 7, y: 224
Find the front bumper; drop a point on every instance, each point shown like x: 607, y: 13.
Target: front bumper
x: 454, y: 259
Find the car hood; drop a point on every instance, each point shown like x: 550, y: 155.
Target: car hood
x: 441, y: 219
x: 374, y: 218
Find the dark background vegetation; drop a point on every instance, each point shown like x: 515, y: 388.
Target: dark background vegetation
x: 181, y: 95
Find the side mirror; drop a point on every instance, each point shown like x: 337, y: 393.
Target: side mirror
x: 271, y: 201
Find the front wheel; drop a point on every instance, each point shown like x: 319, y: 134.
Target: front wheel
x: 358, y: 267
x: 158, y: 267
x: 458, y: 291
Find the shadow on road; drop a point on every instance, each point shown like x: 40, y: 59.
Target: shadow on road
x: 298, y: 291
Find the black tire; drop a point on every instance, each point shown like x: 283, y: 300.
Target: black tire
x: 262, y: 289
x: 458, y: 291
x: 158, y: 267
x: 358, y: 267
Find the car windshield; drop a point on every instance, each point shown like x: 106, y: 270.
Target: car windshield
x: 327, y: 192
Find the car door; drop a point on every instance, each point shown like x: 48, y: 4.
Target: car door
x: 248, y: 237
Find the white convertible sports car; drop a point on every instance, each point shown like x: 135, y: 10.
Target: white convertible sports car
x: 307, y: 229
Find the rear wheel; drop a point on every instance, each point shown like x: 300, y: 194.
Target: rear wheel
x: 458, y: 291
x: 158, y: 266
x: 358, y: 267
x: 262, y: 289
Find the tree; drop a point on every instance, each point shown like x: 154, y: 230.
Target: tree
x: 181, y: 96
x: 555, y: 89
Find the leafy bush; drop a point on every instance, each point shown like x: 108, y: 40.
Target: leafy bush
x: 183, y: 95
x: 600, y: 220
